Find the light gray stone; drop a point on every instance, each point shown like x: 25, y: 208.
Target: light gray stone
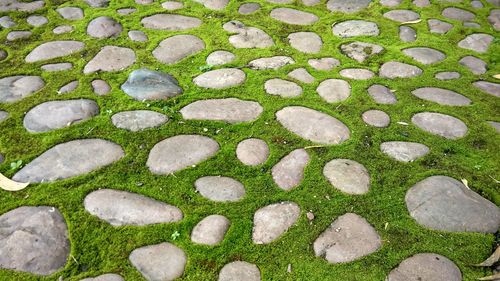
x: 63, y: 29
x: 407, y: 34
x: 306, y: 42
x: 357, y: 73
x: 352, y: 28
x: 324, y: 64
x: 311, y: 2
x: 229, y: 110
x: 441, y: 96
x: 70, y: 13
x: 404, y: 151
x: 275, y: 62
x: 488, y: 87
x: 7, y: 22
x: 478, y: 42
x: 4, y: 115
x: 126, y: 11
x: 18, y: 35
x: 426, y: 266
x: 220, y: 189
x: 3, y: 55
x: 57, y: 66
x: 440, y: 124
x: 347, y: 176
x: 402, y: 15
x: 425, y: 55
x: 438, y: 26
x: 110, y: 59
x: 475, y: 65
x: 252, y: 152
x: 220, y: 58
x: 347, y: 6
x: 288, y: 173
x: 301, y: 75
x: 70, y: 87
x: 170, y: 22
x: 360, y: 51
x: 172, y: 5
x: 104, y: 27
x: 334, y: 90
x: 381, y: 94
x: 376, y: 118
x: 292, y: 16
x: 16, y: 88
x: 282, y: 88
x: 144, y: 84
x: 54, y: 49
x: 220, y: 78
x: 494, y: 19
x: 272, y: 221
x: 105, y: 277
x: 458, y: 14
x: 100, y: 87
x: 390, y: 3
x: 248, y: 8
x: 159, y: 262
x: 447, y: 75
x: 175, y: 48
x: 216, y: 5
x: 239, y: 271
x: 210, y: 230
x: 138, y: 120
x: 16, y: 5
x: 247, y: 37
x: 97, y: 3
x: 394, y: 69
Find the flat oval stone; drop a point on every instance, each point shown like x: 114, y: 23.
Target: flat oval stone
x: 402, y: 15
x: 478, y: 42
x: 426, y: 266
x: 475, y: 65
x: 334, y: 90
x: 390, y: 3
x: 71, y: 13
x: 3, y: 115
x: 105, y: 277
x: 104, y: 27
x: 360, y: 51
x: 376, y: 118
x: 216, y: 5
x: 381, y: 94
x: 488, y: 87
x: 313, y: 125
x: 306, y: 42
x: 394, y: 69
x: 272, y: 221
x: 210, y: 230
x: 404, y: 151
x: 16, y: 5
x: 239, y: 270
x: 126, y: 11
x: 162, y: 261
x: 425, y: 55
x: 109, y: 59
x: 288, y: 173
x: 172, y: 5
x: 407, y: 34
x: 447, y: 75
x: 57, y: 66
x: 179, y: 152
x: 18, y: 35
x: 275, y: 62
x: 220, y: 78
x: 441, y: 96
x: 229, y: 110
x: 292, y: 16
x: 220, y: 58
x: 352, y: 28
x: 220, y: 189
x: 16, y: 88
x: 248, y: 8
x: 54, y: 49
x: 63, y: 29
x: 494, y: 19
x: 178, y: 47
x: 170, y: 22
x: 252, y: 152
x: 125, y: 208
x: 282, y: 88
x: 347, y: 6
x: 70, y: 159
x: 458, y: 14
x: 440, y: 124
x: 138, y: 120
x: 53, y: 115
x: 348, y: 176
x: 100, y: 87
x: 247, y: 37
x: 137, y: 36
x: 144, y: 84
x: 36, y: 20
x: 443, y: 203
x: 323, y: 64
x: 357, y: 73
x: 438, y: 26
x: 302, y: 75
x: 68, y: 88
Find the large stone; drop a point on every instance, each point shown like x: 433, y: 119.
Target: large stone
x: 306, y: 42
x: 214, y: 4
x: 229, y: 110
x: 252, y: 152
x: 357, y: 73
x: 292, y: 16
x: 288, y: 173
x: 144, y: 84
x: 137, y: 36
x: 220, y: 58
x: 138, y: 120
x: 438, y: 26
x: 440, y: 124
x: 282, y: 88
x: 105, y: 277
x: 53, y: 115
x: 210, y: 230
x: 179, y: 152
x: 488, y: 87
x: 404, y: 151
x: 104, y: 27
x: 15, y: 88
x: 352, y: 28
x: 22, y: 6
x: 494, y: 19
x: 475, y: 65
x: 272, y: 221
x: 394, y: 69
x: 178, y: 47
x: 426, y: 266
x: 160, y: 262
x: 348, y: 176
x: 381, y: 94
x: 248, y: 8
x: 360, y: 51
x: 70, y: 159
x: 347, y: 6
x: 18, y: 35
x: 239, y: 271
x: 220, y: 78
x: 313, y: 125
x: 443, y: 203
x: 7, y: 22
x: 170, y: 22
x: 441, y: 96
x: 34, y: 240
x: 220, y: 189
x: 71, y: 13
x: 376, y: 118
x: 54, y: 49
x: 334, y: 90
x: 478, y: 42
x: 390, y: 3
x: 402, y: 15
x: 275, y: 62
x: 109, y: 59
x: 458, y: 14
x: 247, y: 37
x: 425, y: 55
x: 348, y: 238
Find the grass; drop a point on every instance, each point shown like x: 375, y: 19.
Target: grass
x: 98, y: 248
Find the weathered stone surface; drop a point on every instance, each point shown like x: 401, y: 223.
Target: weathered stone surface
x: 440, y: 124
x: 292, y: 16
x: 70, y: 87
x: 425, y: 55
x: 272, y: 221
x: 347, y: 6
x: 7, y: 22
x: 220, y: 78
x: 438, y: 26
x: 381, y: 94
x: 447, y: 75
x: 352, y: 28
x: 478, y: 42
x: 15, y: 88
x: 394, y: 69
x: 159, y: 262
x: 54, y: 49
x: 63, y: 29
x: 458, y: 14
x: 70, y: 13
x: 144, y: 84
x: 239, y: 270
x: 220, y: 58
x: 443, y: 203
x: 138, y: 120
x: 179, y: 152
x: 229, y: 110
x: 270, y: 62
x: 407, y: 34
x: 306, y: 42
x: 170, y: 22
x: 248, y: 8
x: 404, y: 151
x: 421, y: 3
x: 376, y: 118
x: 217, y: 5
x: 476, y: 4
x: 288, y: 173
x: 323, y: 64
x: 104, y: 27
x: 100, y: 87
x: 494, y: 19
x: 252, y: 152
x: 301, y: 75
x: 348, y: 176
x: 18, y: 35
x: 210, y: 230
x: 357, y: 73
x: 3, y: 55
x: 334, y: 90
x: 57, y: 66
x: 220, y: 189
x: 16, y: 5
x: 282, y: 88
x: 109, y: 59
x: 178, y: 47
x: 426, y: 266
x: 247, y: 37
x: 172, y: 5
x: 137, y: 36
x: 475, y: 65
x: 488, y: 87
x: 348, y: 238
x: 313, y: 125
x: 360, y: 51
x: 311, y: 2
x: 126, y: 11
x: 390, y: 3
x: 441, y: 96
x: 402, y: 15
x: 97, y: 3
x: 34, y: 240
x: 105, y: 277
x: 70, y: 159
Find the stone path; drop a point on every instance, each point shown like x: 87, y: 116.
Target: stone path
x: 249, y: 140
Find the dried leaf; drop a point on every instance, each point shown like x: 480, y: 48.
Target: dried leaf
x: 466, y: 183
x: 496, y: 76
x: 10, y: 185
x: 403, y: 123
x: 492, y: 259
x: 413, y: 21
x: 491, y: 277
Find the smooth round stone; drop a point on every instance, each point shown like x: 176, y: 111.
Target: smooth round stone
x: 441, y: 96
x: 376, y: 118
x: 347, y: 176
x: 144, y: 2
x: 124, y: 208
x: 425, y: 55
x: 71, y: 13
x: 292, y: 16
x: 230, y: 110
x: 421, y: 3
x: 18, y: 35
x: 36, y: 240
x: 360, y: 51
x: 110, y: 59
x: 104, y: 27
x: 70, y: 159
x: 475, y: 65
x: 54, y: 49
x: 275, y: 62
x: 334, y: 90
x: 220, y: 78
x: 137, y: 36
x: 439, y: 27
x: 494, y: 19
x: 126, y: 11
x: 272, y: 221
x: 493, y: 124
x: 16, y: 88
x: 352, y: 28
x: 144, y: 84
x: 324, y: 64
x: 138, y: 120
x: 402, y: 15
x: 7, y: 22
x: 97, y: 3
x: 220, y: 58
x: 175, y: 48
x: 478, y: 42
x: 426, y: 266
x: 488, y: 87
x: 54, y: 115
x: 306, y: 42
x: 57, y: 66
x: 476, y: 4
x: 440, y: 124
x: 210, y: 230
x: 216, y: 5
x: 288, y: 173
x: 70, y: 87
x: 4, y: 115
x: 247, y: 37
x: 248, y: 8
x: 404, y: 151
x: 458, y: 14
x: 310, y: 3
x: 447, y: 75
x: 105, y: 277
x: 407, y: 34
x: 347, y: 6
x: 179, y: 152
x: 172, y: 5
x: 16, y: 5
x: 381, y: 94
x: 220, y: 189
x: 282, y: 88
x: 313, y: 125
x: 252, y: 152
x: 394, y: 69
x: 390, y: 3
x: 472, y: 24
x: 63, y: 29
x: 443, y: 203
x: 239, y: 271
x: 357, y: 73
x: 301, y: 75
x: 100, y: 87
x: 170, y: 22
x: 162, y: 261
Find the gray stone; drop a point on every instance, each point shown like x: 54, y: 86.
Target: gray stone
x: 220, y: 78
x: 160, y: 262
x: 7, y: 22
x: 313, y: 125
x: 357, y: 73
x: 421, y: 3
x: 210, y: 230
x: 97, y: 3
x: 175, y: 48
x: 138, y: 120
x: 70, y: 13
x: 306, y: 42
x: 126, y: 11
x: 425, y: 55
x: 109, y: 59
x: 15, y: 88
x: 63, y: 29
x: 352, y: 28
x: 252, y: 152
x: 376, y: 118
x: 443, y: 203
x: 347, y: 176
x: 324, y: 64
x: 301, y: 75
x: 280, y: 1
x: 426, y: 266
x: 3, y: 55
x: 220, y: 189
x: 179, y: 152
x: 270, y: 62
x: 104, y: 27
x: 472, y: 24
x: 390, y: 3
x: 447, y: 75
x: 16, y: 5
x: 272, y: 221
x: 402, y: 15
x: 220, y: 58
x: 347, y: 6
x: 4, y: 115
x: 311, y: 2
x: 54, y: 115
x: 217, y: 5
x: 334, y: 90
x: 70, y: 87
x: 230, y: 110
x: 105, y: 277
x: 121, y: 208
x: 494, y: 19
x: 144, y: 2
x: 475, y: 65
x: 247, y: 37
x: 292, y: 16
x: 407, y: 34
x: 493, y: 124
x: 404, y: 151
x: 394, y: 69
x: 360, y: 51
x: 248, y: 8
x: 441, y: 96
x: 34, y: 240
x: 100, y: 87
x: 488, y: 87
x: 144, y: 84
x: 478, y: 42
x: 288, y: 173
x: 170, y: 22
x: 440, y: 124
x: 18, y: 35
x: 438, y: 26
x: 54, y: 49
x: 239, y: 271
x: 458, y: 14
x: 282, y: 88
x: 349, y: 238
x: 172, y: 5
x: 494, y: 2
x: 70, y: 159
x: 381, y: 94
x: 57, y: 66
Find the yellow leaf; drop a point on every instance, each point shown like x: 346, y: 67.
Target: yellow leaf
x: 10, y: 185
x: 465, y: 182
x: 413, y: 21
x: 496, y: 76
